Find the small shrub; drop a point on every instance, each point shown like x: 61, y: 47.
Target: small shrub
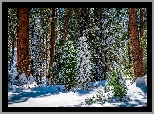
x: 116, y: 83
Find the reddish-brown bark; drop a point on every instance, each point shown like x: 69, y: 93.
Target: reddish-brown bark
x: 137, y: 51
x: 23, y: 42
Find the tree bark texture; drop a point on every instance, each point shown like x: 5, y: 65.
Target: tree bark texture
x: 137, y: 51
x: 52, y: 40
x: 23, y: 42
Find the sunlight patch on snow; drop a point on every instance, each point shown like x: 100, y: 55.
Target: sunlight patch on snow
x: 50, y: 96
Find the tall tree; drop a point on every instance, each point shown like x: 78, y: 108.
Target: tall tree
x: 52, y: 39
x: 23, y: 42
x: 35, y: 44
x: 68, y: 61
x: 84, y: 64
x: 135, y: 43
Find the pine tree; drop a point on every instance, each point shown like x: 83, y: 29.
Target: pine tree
x: 84, y: 64
x: 35, y: 44
x: 68, y: 62
x: 115, y: 77
x: 45, y: 21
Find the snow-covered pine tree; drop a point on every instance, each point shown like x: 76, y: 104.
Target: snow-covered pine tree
x: 116, y: 58
x: 68, y: 63
x: 84, y: 64
x: 35, y: 47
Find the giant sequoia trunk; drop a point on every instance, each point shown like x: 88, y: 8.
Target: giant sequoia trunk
x: 137, y: 51
x: 23, y: 42
x: 52, y: 40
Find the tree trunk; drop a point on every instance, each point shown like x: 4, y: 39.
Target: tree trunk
x: 136, y: 48
x: 23, y: 42
x: 52, y: 40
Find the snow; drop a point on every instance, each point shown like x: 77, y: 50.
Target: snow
x: 141, y: 81
x: 29, y: 94
x: 24, y: 92
x: 84, y: 63
x: 33, y: 95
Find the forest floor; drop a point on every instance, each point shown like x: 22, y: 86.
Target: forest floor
x: 32, y: 95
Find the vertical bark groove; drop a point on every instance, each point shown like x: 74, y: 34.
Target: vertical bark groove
x: 136, y: 48
x: 23, y: 42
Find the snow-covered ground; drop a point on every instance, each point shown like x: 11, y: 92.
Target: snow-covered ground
x: 31, y: 95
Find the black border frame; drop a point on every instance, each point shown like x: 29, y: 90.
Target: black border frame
x: 6, y: 5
